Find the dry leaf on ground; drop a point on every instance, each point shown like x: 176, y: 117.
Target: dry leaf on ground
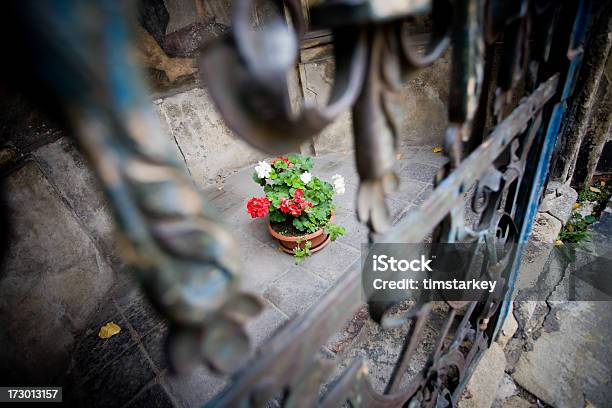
x: 108, y: 330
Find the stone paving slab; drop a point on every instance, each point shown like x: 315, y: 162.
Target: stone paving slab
x: 297, y: 290
x: 154, y: 396
x: 77, y: 184
x: 481, y: 388
x: 256, y: 229
x: 154, y: 344
x: 338, y: 258
x: 140, y: 313
x: 40, y: 311
x: 263, y: 263
x: 420, y: 172
x: 424, y: 155
x: 568, y: 363
x: 91, y: 355
x: 358, y: 233
x: 117, y: 383
x: 194, y: 389
x: 568, y: 366
x: 270, y: 320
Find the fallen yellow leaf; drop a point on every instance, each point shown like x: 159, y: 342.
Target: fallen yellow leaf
x: 108, y: 330
x: 570, y: 228
x: 595, y: 189
x: 436, y: 149
x: 558, y: 242
x: 575, y: 205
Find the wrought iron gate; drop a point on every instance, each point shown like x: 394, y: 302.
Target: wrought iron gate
x: 513, y: 71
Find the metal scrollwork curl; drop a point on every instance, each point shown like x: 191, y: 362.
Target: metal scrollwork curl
x: 251, y: 89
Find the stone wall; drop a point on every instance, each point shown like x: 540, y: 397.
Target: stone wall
x: 423, y: 101
x: 211, y: 151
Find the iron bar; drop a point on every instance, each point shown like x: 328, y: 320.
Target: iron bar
x: 444, y: 198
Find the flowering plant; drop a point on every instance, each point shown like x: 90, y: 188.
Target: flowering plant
x: 297, y: 202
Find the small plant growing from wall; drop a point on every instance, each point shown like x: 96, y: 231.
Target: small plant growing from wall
x: 594, y: 198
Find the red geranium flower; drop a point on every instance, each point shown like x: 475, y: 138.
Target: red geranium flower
x: 295, y: 209
x: 257, y: 207
x: 282, y: 158
x: 296, y: 205
x: 284, y: 207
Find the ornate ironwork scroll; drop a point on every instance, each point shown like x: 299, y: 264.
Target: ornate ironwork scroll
x: 185, y: 259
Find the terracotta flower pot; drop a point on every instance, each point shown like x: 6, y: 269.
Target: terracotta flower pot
x: 319, y: 239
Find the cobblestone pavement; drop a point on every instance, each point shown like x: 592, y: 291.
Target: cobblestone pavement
x: 129, y: 369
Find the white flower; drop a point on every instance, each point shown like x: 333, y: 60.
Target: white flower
x: 263, y: 169
x: 338, y: 182
x: 306, y: 177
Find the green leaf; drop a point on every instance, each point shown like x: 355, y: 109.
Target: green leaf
x: 300, y: 253
x: 277, y: 216
x: 300, y: 162
x: 298, y: 224
x: 334, y: 231
x: 256, y: 179
x: 280, y: 165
